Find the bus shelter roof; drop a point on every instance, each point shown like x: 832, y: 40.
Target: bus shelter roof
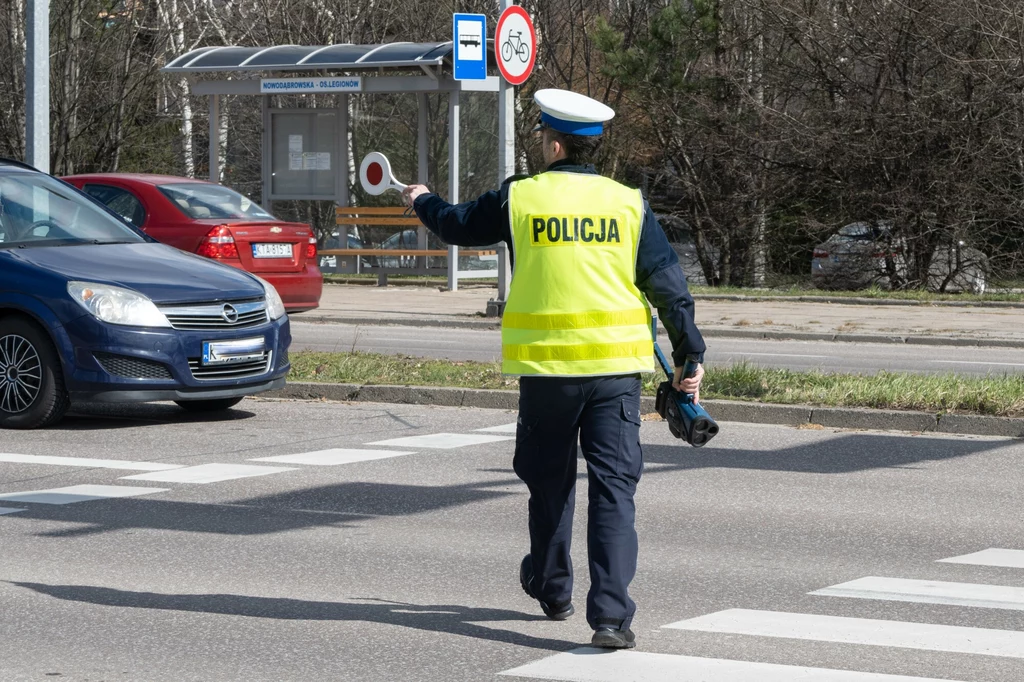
x: 345, y: 56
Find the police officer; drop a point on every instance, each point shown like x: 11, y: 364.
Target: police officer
x: 586, y: 250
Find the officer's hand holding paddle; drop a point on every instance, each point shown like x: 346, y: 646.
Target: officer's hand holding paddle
x: 412, y: 191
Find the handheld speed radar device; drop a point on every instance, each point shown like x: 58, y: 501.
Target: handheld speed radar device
x: 686, y: 419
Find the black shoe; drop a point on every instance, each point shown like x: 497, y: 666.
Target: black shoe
x: 559, y: 611
x: 610, y: 638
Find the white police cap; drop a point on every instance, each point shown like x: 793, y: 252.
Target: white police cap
x: 571, y: 113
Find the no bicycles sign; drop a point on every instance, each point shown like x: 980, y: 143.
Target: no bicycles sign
x: 515, y: 45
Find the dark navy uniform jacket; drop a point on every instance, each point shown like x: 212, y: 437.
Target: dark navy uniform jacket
x: 658, y: 275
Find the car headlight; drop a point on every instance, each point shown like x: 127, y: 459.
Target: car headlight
x: 275, y: 306
x: 117, y: 305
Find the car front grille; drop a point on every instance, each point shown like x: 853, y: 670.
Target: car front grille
x: 222, y: 316
x: 131, y: 367
x: 240, y: 370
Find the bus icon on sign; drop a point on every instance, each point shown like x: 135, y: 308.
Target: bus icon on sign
x: 471, y: 40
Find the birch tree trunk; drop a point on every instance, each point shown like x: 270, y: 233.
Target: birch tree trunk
x: 171, y: 17
x: 17, y: 22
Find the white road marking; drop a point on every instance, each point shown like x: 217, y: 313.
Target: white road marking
x: 972, y: 362
x: 333, y: 457
x: 208, y: 473
x: 9, y: 510
x: 505, y: 428
x: 891, y: 633
x: 780, y: 355
x: 79, y: 493
x: 443, y: 441
x: 929, y: 592
x: 595, y: 665
x: 86, y: 462
x: 1006, y: 558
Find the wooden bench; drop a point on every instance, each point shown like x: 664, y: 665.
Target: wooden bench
x: 391, y: 216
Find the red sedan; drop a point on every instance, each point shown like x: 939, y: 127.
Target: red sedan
x: 214, y: 221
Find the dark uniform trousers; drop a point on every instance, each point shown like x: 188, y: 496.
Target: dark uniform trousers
x: 602, y: 416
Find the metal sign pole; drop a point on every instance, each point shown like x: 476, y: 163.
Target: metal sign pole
x: 515, y: 57
x: 37, y: 84
x: 453, y: 181
x: 268, y: 178
x: 214, y: 138
x: 506, y: 168
x: 422, y: 169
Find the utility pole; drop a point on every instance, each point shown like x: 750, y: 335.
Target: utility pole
x: 37, y: 85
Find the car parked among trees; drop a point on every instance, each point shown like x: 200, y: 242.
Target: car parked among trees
x: 864, y: 254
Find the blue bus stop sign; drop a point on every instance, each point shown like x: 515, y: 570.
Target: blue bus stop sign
x: 469, y: 35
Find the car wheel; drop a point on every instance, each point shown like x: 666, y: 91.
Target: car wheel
x: 218, y: 405
x: 32, y: 391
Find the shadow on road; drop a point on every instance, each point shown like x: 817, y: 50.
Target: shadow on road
x: 354, y: 503
x: 846, y: 453
x: 103, y: 416
x: 446, y: 618
x: 340, y: 505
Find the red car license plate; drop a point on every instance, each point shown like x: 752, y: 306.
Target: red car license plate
x: 271, y: 250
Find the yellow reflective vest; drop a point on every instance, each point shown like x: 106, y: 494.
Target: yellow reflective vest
x: 573, y: 307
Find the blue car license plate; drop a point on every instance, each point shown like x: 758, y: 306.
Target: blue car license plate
x: 236, y: 350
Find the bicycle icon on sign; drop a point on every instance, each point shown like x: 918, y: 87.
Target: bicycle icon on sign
x: 519, y: 47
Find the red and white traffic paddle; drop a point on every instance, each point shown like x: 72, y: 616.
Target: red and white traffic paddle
x: 375, y: 175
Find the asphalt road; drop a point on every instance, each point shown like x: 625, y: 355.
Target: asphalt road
x: 485, y: 345
x: 404, y: 567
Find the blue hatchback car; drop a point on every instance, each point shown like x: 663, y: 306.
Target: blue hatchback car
x: 93, y: 310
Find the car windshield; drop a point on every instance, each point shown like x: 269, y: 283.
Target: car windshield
x: 38, y: 210
x: 199, y: 200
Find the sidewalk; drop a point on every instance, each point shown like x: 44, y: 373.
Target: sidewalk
x: 924, y: 324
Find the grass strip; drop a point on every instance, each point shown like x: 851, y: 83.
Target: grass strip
x: 1001, y: 395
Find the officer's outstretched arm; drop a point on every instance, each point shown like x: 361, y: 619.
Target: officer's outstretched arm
x: 473, y: 223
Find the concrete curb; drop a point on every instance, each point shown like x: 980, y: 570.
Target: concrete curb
x: 842, y: 300
x: 772, y: 335
x: 494, y: 324
x: 722, y: 410
x: 457, y: 322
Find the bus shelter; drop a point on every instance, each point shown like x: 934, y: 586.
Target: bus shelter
x: 306, y: 152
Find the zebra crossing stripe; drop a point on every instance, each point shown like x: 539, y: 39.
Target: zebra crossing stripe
x: 594, y: 665
x: 333, y: 457
x: 78, y: 493
x: 9, y: 510
x: 504, y: 428
x: 208, y: 473
x: 929, y: 592
x: 442, y: 441
x: 1005, y: 558
x: 890, y: 633
x: 86, y: 462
